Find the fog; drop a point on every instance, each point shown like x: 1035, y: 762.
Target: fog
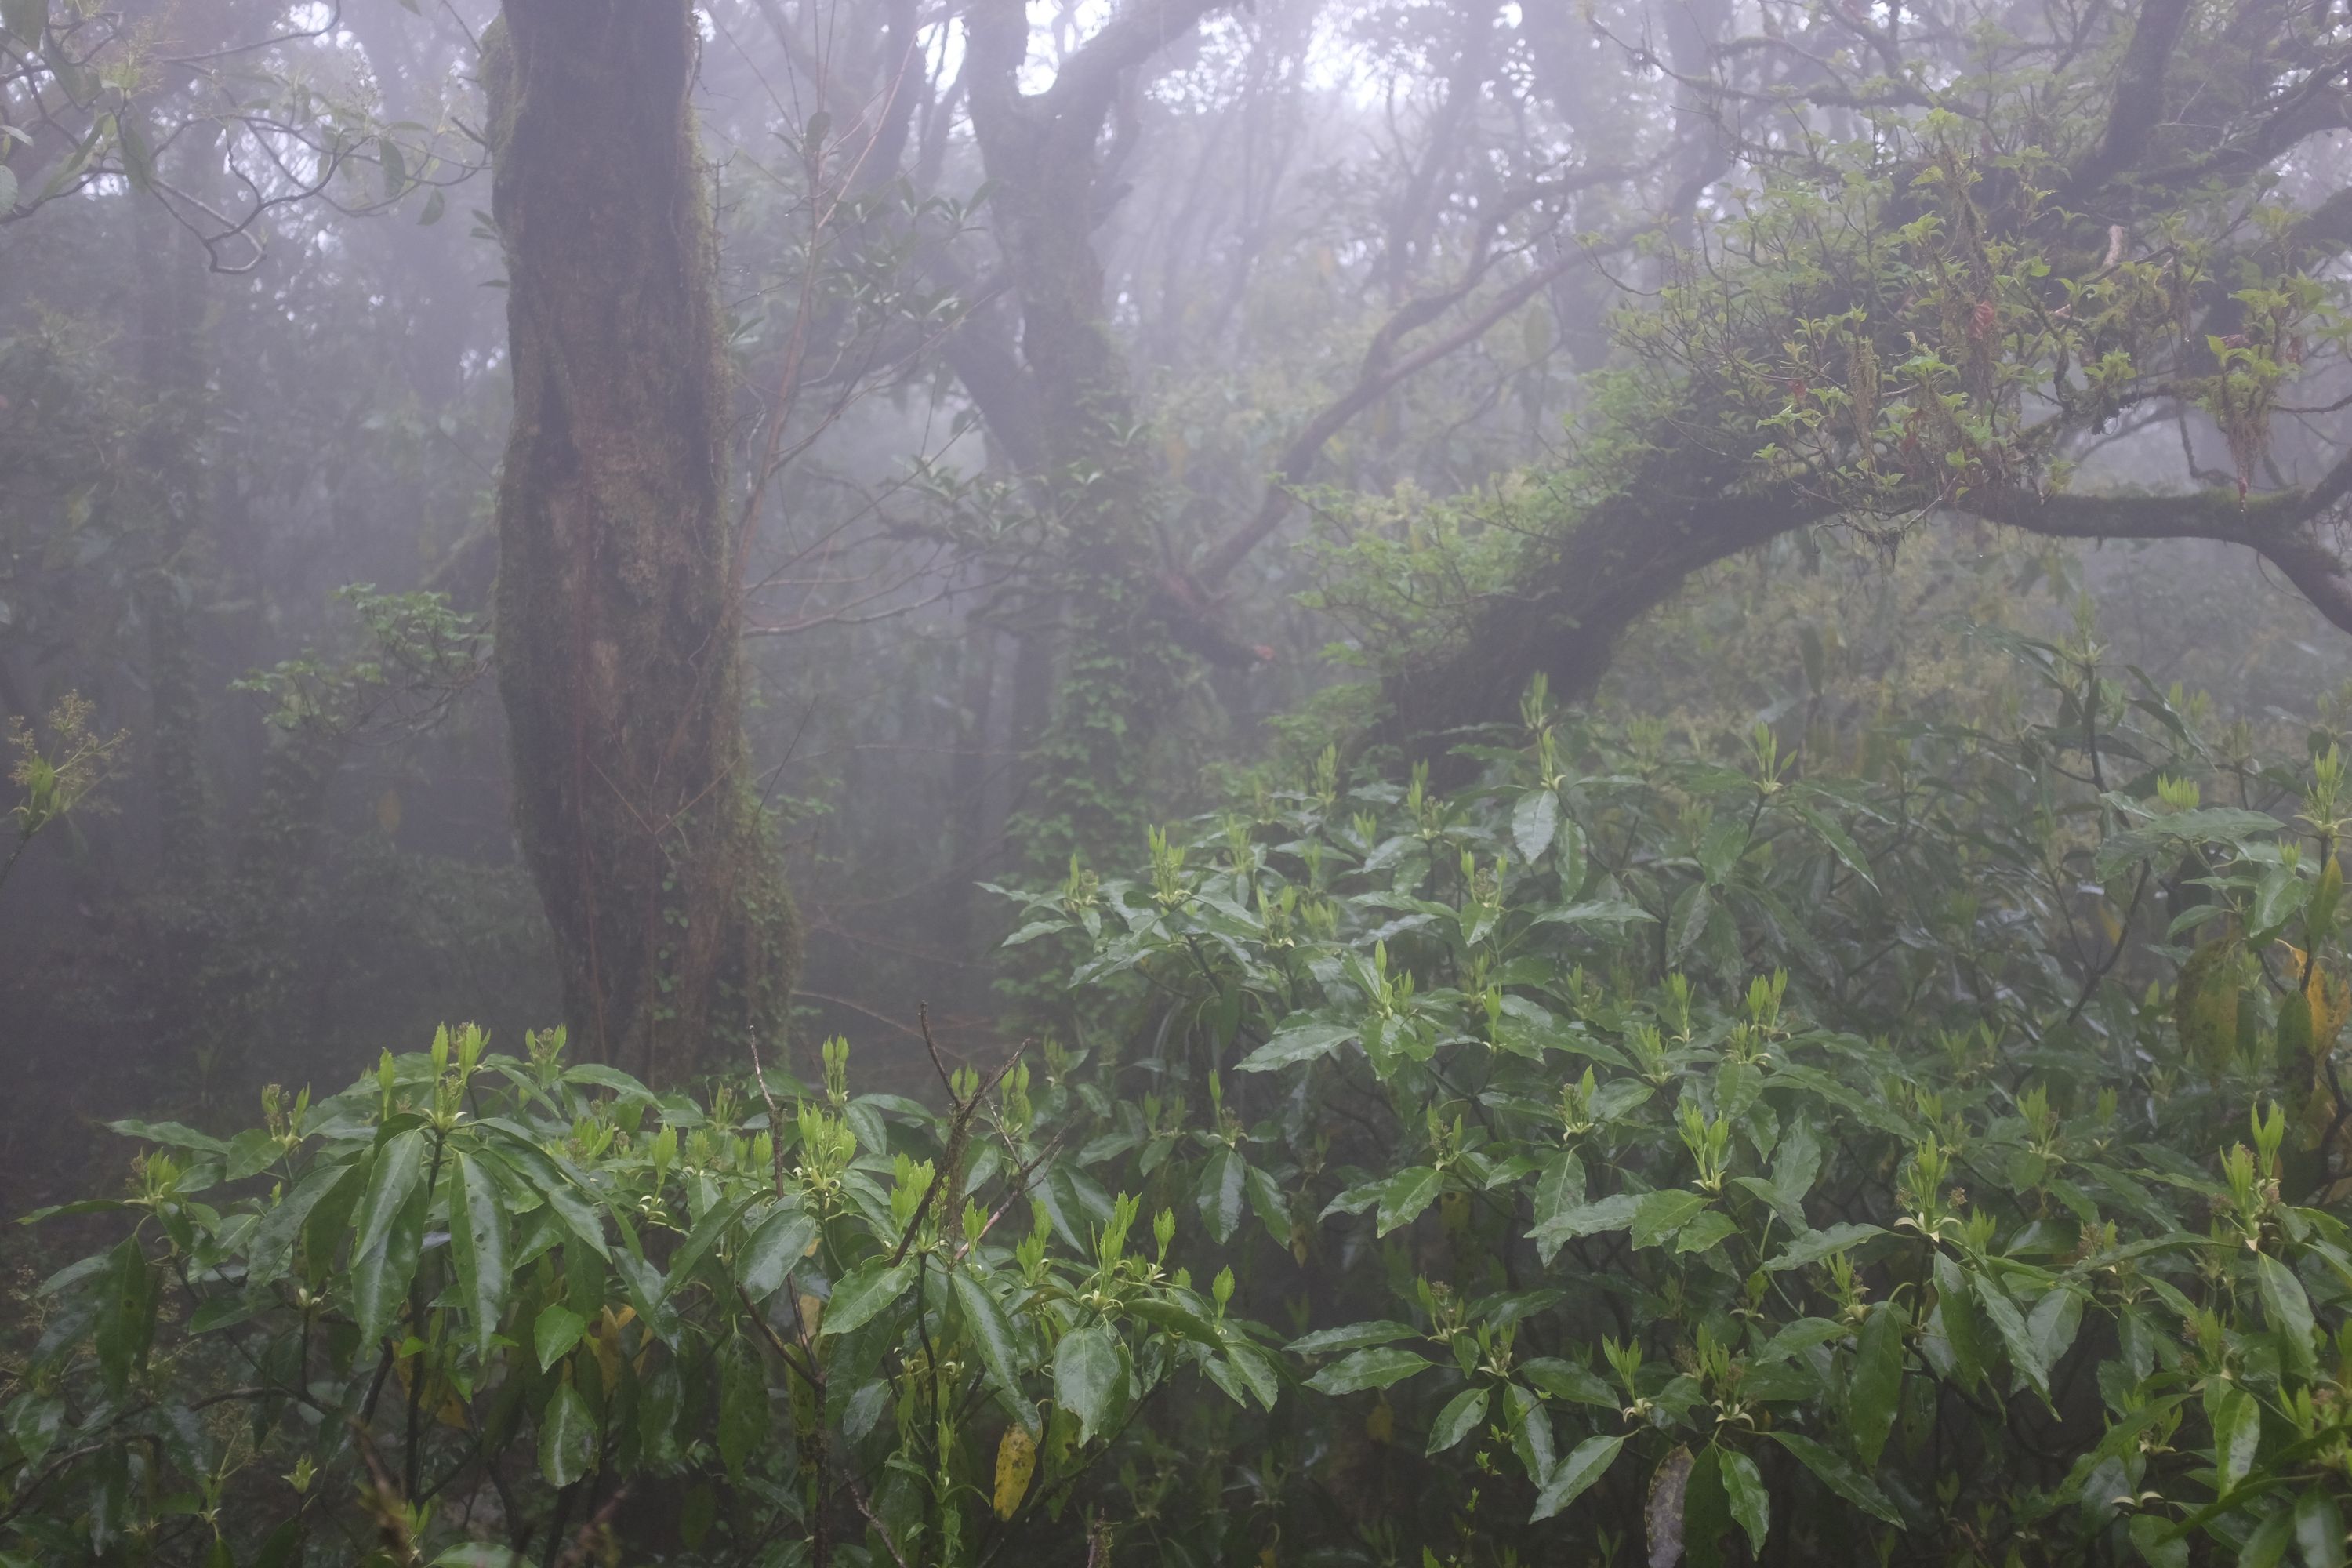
x: 698, y: 533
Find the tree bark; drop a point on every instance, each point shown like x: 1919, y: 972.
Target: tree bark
x: 1680, y: 513
x: 1122, y: 667
x: 618, y: 653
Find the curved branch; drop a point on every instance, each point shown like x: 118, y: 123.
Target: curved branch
x: 1375, y: 379
x: 1378, y: 372
x: 2138, y: 106
x: 2280, y: 526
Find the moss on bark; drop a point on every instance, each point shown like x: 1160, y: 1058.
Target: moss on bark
x: 618, y: 653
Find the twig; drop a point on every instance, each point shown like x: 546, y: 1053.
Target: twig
x: 959, y: 1127
x: 775, y: 1117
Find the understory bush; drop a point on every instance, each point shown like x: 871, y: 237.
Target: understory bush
x: 1920, y: 1145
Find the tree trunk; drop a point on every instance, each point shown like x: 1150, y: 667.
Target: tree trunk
x: 618, y: 655
x: 1121, y: 669
x: 169, y: 479
x: 1679, y: 512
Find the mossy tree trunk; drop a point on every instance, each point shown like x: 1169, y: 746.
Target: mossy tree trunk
x: 618, y: 654
x: 1123, y: 667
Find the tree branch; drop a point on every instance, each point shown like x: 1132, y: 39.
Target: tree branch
x: 1376, y: 377
x: 2137, y: 105
x: 2279, y: 526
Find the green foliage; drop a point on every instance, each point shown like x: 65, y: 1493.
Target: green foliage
x: 419, y: 654
x: 1703, y: 1158
x: 481, y: 1286
x: 1753, y: 1157
x: 58, y: 772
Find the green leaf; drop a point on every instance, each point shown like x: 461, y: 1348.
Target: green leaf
x: 1841, y: 844
x: 1304, y: 1043
x: 565, y: 1195
x: 1566, y: 1380
x: 1875, y: 1389
x: 1588, y: 1219
x: 1796, y: 1165
x: 1266, y: 1201
x: 1376, y: 1368
x: 2237, y: 1435
x: 864, y: 1293
x: 567, y: 1437
x: 1533, y: 821
x: 2024, y: 1354
x: 718, y: 1220
x: 1956, y: 1313
x: 743, y: 1415
x: 271, y: 1249
x: 991, y: 1330
x: 138, y: 155
x: 1801, y: 1335
x: 559, y: 1329
x: 2266, y: 1547
x: 2288, y: 1308
x: 1406, y: 1195
x: 1814, y: 1245
x: 1256, y: 1370
x: 2053, y: 1322
x: 388, y: 1232
x: 2158, y: 1544
x: 1658, y: 1215
x: 598, y: 1076
x: 1838, y: 1473
x: 1181, y: 1321
x: 1573, y: 1477
x: 774, y: 1250
x: 1568, y: 856
x: 1460, y: 1418
x: 1221, y: 1192
x: 1705, y: 1233
x: 257, y: 1149
x: 1355, y: 1336
x: 1091, y: 1378
x: 171, y: 1135
x: 1719, y: 851
x: 34, y: 1422
x: 1594, y: 912
x: 477, y: 1248
x: 2319, y: 1530
x: 2168, y: 834
x: 1689, y: 922
x: 1750, y: 1505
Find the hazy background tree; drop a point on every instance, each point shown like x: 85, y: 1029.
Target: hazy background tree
x: 1061, y: 354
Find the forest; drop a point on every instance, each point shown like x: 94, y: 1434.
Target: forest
x: 1292, y: 783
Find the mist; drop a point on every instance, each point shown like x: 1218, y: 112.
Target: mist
x: 671, y: 672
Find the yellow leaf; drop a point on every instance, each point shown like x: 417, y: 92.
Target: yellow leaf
x: 2330, y: 996
x: 2205, y: 1005
x: 1380, y: 1424
x: 1016, y: 1458
x: 605, y: 1342
x: 387, y: 811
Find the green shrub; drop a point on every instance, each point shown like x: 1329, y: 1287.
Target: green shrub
x: 1647, y: 1156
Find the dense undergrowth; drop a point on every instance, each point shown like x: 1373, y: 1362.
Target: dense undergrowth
x: 1921, y: 1146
